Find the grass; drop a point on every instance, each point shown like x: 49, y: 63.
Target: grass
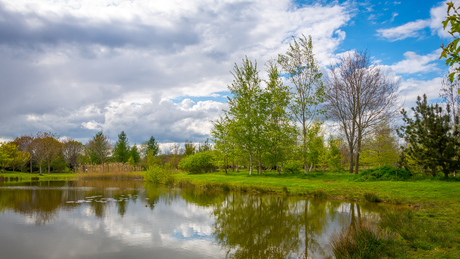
x: 432, y: 203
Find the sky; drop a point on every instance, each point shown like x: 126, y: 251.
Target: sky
x: 161, y: 68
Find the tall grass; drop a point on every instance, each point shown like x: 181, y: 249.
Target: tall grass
x: 362, y: 240
x: 109, y: 171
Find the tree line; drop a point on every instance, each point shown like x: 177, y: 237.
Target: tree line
x: 47, y: 150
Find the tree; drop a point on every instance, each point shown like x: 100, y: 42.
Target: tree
x: 246, y: 115
x: 24, y: 143
x: 53, y: 150
x: 280, y: 132
x: 98, y: 149
x: 432, y: 142
x: 6, y: 153
x: 381, y: 146
x: 189, y: 148
x: 151, y: 145
x: 303, y: 73
x: 450, y: 94
x: 359, y: 96
x: 71, y: 150
x: 334, y: 157
x: 121, y: 149
x: 452, y: 50
x: 134, y: 155
x: 45, y: 149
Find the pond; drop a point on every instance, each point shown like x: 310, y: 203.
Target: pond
x: 121, y: 219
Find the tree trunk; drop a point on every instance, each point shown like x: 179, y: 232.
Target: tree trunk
x: 350, y: 166
x: 250, y: 163
x: 357, y: 163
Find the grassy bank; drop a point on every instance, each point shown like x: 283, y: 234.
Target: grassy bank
x: 430, y: 229
x: 18, y: 176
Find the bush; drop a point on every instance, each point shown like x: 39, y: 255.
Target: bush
x: 160, y: 174
x: 198, y: 163
x: 293, y: 167
x: 385, y: 173
x: 371, y: 197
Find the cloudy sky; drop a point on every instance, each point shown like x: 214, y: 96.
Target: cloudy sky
x: 161, y: 68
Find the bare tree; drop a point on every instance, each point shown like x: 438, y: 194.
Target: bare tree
x: 450, y: 94
x: 71, y: 150
x: 359, y: 96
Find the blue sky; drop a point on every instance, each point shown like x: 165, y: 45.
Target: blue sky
x: 162, y: 67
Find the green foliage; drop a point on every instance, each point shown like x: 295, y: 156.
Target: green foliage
x: 334, y: 157
x: 160, y: 174
x: 293, y: 166
x: 371, y: 197
x: 304, y: 74
x: 121, y: 150
x: 385, y: 173
x: 98, y: 148
x: 189, y: 148
x: 198, y: 163
x: 151, y: 146
x: 433, y: 141
x: 451, y: 51
x: 134, y: 155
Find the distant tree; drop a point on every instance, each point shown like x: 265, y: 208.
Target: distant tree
x: 432, y: 142
x: 24, y: 143
x: 382, y: 146
x: 204, y: 146
x: 71, y: 151
x: 53, y: 150
x: 334, y: 157
x: 151, y: 145
x: 359, y: 96
x: 18, y: 157
x: 189, y: 148
x: 303, y: 72
x: 98, y: 149
x: 121, y: 149
x: 134, y: 155
x: 6, y: 154
x: 45, y: 149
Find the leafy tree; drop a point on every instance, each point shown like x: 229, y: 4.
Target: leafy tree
x: 6, y: 151
x: 246, y: 115
x: 303, y: 73
x: 134, y: 155
x: 151, y: 145
x: 224, y: 144
x: 189, y: 148
x: 205, y: 146
x: 452, y: 50
x: 280, y: 132
x: 315, y: 144
x: 432, y: 141
x: 334, y: 157
x: 359, y: 97
x: 98, y: 149
x: 121, y: 149
x: 24, y: 143
x: 382, y: 146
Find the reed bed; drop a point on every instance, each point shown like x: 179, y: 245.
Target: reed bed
x: 109, y: 171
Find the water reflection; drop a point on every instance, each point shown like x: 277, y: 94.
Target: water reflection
x: 174, y: 223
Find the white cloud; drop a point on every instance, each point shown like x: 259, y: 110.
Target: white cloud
x: 408, y: 30
x: 414, y: 63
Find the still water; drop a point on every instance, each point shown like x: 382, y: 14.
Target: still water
x: 130, y: 219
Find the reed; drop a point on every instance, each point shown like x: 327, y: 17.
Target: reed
x: 109, y: 171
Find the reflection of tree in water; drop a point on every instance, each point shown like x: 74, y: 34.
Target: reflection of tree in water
x: 256, y: 226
